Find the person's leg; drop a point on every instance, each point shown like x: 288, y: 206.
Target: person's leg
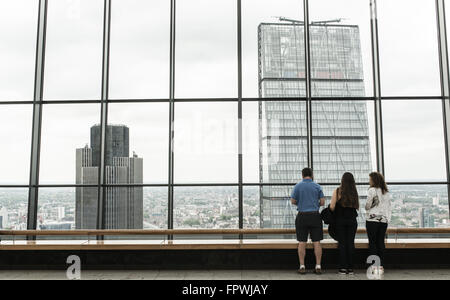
x: 347, y: 244
x: 381, y: 236
x: 316, y: 232
x: 372, y: 236
x: 341, y: 235
x: 318, y: 253
x: 351, y: 233
x: 302, y: 253
x: 302, y: 238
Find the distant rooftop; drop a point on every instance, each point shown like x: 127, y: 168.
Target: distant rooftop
x: 292, y: 22
x: 111, y: 125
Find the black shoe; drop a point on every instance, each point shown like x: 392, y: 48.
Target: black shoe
x: 350, y: 272
x: 318, y: 271
x: 302, y: 271
x: 342, y: 272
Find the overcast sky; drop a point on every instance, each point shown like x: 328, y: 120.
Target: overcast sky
x: 206, y: 62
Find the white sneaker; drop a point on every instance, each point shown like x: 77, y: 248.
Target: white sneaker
x: 374, y: 270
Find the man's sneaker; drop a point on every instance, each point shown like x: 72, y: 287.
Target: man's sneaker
x: 342, y: 272
x: 302, y: 271
x: 350, y: 272
x: 318, y: 271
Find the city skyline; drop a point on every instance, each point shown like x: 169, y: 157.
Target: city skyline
x: 406, y: 200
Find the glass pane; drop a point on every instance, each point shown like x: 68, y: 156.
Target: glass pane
x: 419, y: 206
x: 140, y: 49
x: 269, y: 207
x: 447, y: 19
x: 275, y: 146
x: 282, y: 60
x: 14, y: 209
x: 251, y: 142
x: 73, y: 65
x: 18, y: 27
x: 147, y: 138
x: 137, y: 208
x: 126, y: 208
x: 206, y: 137
x: 343, y: 140
x: 252, y: 211
x: 70, y: 144
x: 15, y: 132
x: 328, y: 191
x: 67, y: 208
x: 59, y: 207
x: 341, y: 48
x: 206, y: 56
x: 414, y: 141
x: 155, y: 208
x: 408, y: 48
x: 206, y: 208
x: 277, y: 212
x: 270, y: 46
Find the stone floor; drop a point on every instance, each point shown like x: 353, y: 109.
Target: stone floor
x: 221, y: 275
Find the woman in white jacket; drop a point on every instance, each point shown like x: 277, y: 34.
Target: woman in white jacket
x: 378, y: 216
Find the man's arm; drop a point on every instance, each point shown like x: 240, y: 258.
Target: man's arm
x: 321, y: 198
x: 322, y: 201
x: 294, y: 196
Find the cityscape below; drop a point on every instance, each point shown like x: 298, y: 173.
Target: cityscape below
x: 213, y: 208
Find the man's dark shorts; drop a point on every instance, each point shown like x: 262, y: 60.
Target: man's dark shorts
x: 309, y: 224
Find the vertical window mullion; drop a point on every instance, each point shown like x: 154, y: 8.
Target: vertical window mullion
x: 308, y: 83
x: 171, y: 116
x: 445, y: 80
x: 37, y: 116
x: 240, y: 141
x: 377, y: 87
x: 102, y: 190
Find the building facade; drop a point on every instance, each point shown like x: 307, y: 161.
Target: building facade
x: 123, y: 205
x: 340, y: 129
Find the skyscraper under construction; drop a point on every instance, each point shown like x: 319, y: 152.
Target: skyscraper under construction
x: 340, y: 129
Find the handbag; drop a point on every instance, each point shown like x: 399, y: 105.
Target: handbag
x: 328, y: 216
x: 329, y: 219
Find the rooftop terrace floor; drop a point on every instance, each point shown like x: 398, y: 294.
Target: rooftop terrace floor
x: 443, y: 274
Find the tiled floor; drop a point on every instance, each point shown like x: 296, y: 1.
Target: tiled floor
x: 221, y: 275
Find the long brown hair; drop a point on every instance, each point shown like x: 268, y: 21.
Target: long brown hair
x: 378, y: 182
x: 347, y: 192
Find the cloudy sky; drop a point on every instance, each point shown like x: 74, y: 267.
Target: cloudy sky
x: 206, y: 66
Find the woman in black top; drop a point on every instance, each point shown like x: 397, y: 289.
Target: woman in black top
x: 344, y: 204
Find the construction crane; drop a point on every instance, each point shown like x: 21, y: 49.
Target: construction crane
x: 283, y: 19
x: 327, y: 22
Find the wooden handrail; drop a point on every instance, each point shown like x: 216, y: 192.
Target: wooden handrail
x: 157, y: 232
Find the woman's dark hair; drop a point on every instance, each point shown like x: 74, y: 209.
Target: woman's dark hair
x: 378, y: 182
x: 348, y: 194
